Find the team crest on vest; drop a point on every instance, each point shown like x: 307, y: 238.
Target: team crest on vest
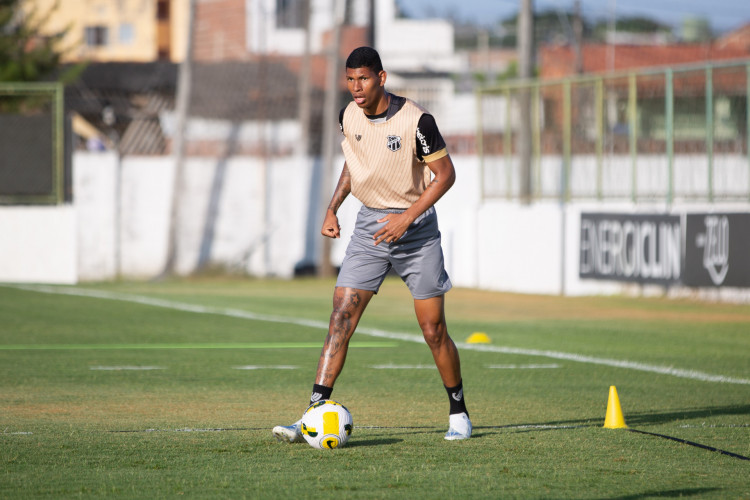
x: 394, y: 142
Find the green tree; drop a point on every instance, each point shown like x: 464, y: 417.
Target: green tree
x: 25, y: 54
x: 631, y: 25
x: 550, y: 25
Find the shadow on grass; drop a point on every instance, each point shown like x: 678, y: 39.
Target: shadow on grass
x: 400, y: 431
x: 519, y: 429
x: 686, y: 414
x: 372, y: 442
x: 684, y: 492
x: 632, y: 419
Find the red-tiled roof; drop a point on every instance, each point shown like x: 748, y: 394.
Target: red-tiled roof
x: 558, y: 61
x: 738, y: 39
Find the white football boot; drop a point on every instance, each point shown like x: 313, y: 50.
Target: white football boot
x: 459, y: 428
x: 289, y: 433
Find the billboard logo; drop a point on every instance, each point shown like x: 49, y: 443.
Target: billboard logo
x: 715, y: 244
x: 630, y: 247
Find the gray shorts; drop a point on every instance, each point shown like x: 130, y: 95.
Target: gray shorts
x: 417, y: 256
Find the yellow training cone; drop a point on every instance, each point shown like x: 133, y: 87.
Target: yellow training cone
x: 614, y: 418
x: 478, y: 338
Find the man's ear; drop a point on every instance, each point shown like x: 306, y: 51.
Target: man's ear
x: 383, y: 76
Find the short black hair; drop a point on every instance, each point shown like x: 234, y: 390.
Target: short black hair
x: 364, y: 57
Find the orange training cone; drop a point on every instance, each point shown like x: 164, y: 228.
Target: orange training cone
x: 614, y: 418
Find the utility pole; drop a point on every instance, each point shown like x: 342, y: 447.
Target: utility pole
x: 612, y: 35
x: 325, y: 269
x: 182, y: 110
x: 371, y: 14
x: 304, y: 87
x: 525, y: 51
x: 578, y: 37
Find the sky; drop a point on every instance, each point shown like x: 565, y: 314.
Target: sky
x: 723, y: 15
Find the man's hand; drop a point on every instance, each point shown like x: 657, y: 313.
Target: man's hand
x: 395, y: 227
x: 397, y: 224
x: 331, y: 227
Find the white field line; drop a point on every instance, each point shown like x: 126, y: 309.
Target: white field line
x: 524, y: 367
x: 404, y: 367
x: 375, y: 332
x: 186, y: 429
x: 713, y: 426
x: 522, y: 426
x: 356, y: 428
x: 266, y: 367
x: 541, y: 426
x: 495, y: 367
x: 126, y: 368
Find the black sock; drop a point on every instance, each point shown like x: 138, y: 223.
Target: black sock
x: 456, y: 398
x: 319, y: 393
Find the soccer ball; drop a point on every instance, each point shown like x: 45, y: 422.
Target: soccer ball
x: 326, y: 424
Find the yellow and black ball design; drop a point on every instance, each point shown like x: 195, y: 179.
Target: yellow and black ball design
x: 327, y: 425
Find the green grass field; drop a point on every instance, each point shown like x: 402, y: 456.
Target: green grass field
x: 171, y: 389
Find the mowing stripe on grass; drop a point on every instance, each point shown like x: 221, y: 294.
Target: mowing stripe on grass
x: 375, y: 332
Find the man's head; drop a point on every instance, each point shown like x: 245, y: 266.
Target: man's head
x: 365, y: 79
x: 365, y: 57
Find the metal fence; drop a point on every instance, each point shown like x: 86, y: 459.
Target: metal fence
x: 668, y: 134
x: 32, y: 163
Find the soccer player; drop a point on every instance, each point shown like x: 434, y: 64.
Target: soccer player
x: 397, y: 165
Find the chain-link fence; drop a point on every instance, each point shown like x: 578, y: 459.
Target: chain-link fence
x: 32, y: 163
x: 664, y: 134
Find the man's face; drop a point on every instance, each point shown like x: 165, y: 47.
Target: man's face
x: 367, y: 89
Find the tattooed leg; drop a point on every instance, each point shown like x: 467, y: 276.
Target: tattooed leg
x: 348, y: 306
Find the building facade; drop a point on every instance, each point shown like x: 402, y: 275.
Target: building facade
x: 115, y: 30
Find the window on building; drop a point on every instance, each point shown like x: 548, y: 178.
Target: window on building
x: 289, y: 14
x: 162, y: 10
x: 96, y: 36
x: 126, y: 35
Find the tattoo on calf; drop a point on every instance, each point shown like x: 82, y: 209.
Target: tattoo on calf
x: 344, y: 308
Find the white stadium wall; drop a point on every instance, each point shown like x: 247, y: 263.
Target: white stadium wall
x: 263, y: 219
x: 38, y: 244
x: 240, y: 214
x: 95, y: 187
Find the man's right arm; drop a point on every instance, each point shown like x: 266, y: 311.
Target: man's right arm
x: 331, y: 226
